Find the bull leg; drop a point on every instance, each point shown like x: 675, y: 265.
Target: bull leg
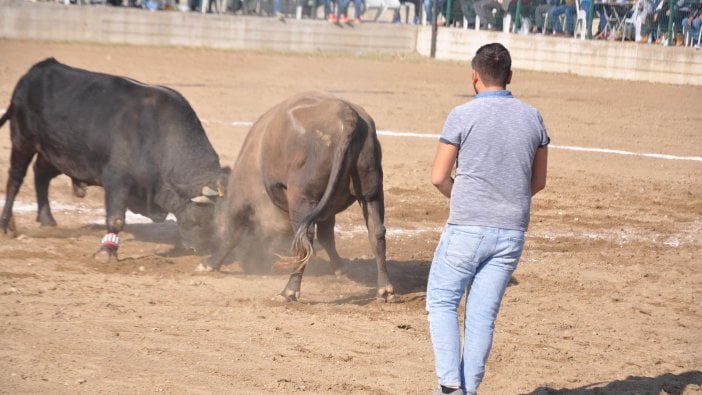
x: 78, y: 188
x: 299, y: 208
x: 373, y: 213
x: 325, y: 236
x: 116, y: 193
x: 43, y: 173
x: 214, y: 262
x: 19, y: 162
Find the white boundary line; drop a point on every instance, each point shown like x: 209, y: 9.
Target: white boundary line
x: 563, y: 147
x: 436, y: 137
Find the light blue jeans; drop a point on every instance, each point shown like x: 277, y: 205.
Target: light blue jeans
x: 485, y: 259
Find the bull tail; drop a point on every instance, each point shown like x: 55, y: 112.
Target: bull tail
x: 301, y: 245
x: 6, y: 116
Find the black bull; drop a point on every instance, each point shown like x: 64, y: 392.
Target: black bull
x: 303, y: 161
x: 143, y: 143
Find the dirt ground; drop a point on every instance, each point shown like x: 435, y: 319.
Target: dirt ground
x: 606, y: 299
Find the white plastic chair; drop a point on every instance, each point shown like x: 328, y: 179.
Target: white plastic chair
x: 688, y: 38
x: 477, y: 19
x: 580, y: 21
x: 509, y: 27
x: 219, y: 6
x: 383, y: 5
x: 561, y: 18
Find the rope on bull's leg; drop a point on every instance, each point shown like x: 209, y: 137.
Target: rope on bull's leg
x: 111, y: 239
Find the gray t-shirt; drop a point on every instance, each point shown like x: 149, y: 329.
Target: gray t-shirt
x: 497, y: 137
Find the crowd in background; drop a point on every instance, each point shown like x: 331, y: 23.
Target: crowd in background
x: 642, y: 21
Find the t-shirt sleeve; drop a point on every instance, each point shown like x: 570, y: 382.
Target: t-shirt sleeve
x: 451, y: 134
x: 543, y: 135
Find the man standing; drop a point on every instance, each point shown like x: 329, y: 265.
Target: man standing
x: 499, y: 148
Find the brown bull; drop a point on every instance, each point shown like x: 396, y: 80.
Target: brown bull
x: 303, y: 161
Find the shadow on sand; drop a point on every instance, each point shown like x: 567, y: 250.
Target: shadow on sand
x: 672, y: 384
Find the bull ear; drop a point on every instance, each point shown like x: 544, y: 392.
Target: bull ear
x: 202, y: 199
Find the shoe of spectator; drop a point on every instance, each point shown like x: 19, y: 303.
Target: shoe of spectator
x: 356, y: 21
x: 396, y: 19
x: 415, y: 21
x: 343, y: 18
x: 331, y: 18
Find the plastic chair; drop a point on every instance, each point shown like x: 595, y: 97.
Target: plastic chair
x: 561, y: 18
x: 477, y: 19
x: 219, y: 6
x: 580, y: 22
x: 384, y: 5
x: 509, y: 27
x: 689, y: 39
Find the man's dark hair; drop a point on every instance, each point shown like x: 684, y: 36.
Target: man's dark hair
x: 493, y: 63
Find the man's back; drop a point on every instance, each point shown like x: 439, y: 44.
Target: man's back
x: 497, y: 137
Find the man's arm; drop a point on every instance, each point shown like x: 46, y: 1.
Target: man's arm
x: 538, y: 170
x: 444, y: 161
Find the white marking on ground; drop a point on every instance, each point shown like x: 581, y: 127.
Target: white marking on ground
x: 436, y: 137
x: 433, y: 136
x: 98, y: 215
x: 690, y: 235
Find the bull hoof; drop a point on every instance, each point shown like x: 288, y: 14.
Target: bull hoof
x: 8, y: 228
x: 386, y: 296
x: 204, y: 268
x: 288, y: 296
x: 47, y: 224
x: 104, y: 256
x: 340, y: 272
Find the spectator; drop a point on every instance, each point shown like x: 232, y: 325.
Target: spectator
x: 329, y: 13
x: 693, y: 24
x: 490, y: 13
x: 429, y: 9
x: 599, y: 8
x: 541, y: 23
x: 151, y: 5
x: 525, y: 12
x: 567, y: 8
x: 637, y: 17
x: 468, y: 10
x: 499, y: 148
x: 661, y: 16
x: 397, y: 18
x: 343, y: 11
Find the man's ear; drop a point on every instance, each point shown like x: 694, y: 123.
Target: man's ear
x: 509, y: 78
x: 476, y: 77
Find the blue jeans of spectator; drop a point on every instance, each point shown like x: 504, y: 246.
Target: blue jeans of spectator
x: 276, y: 7
x: 343, y: 5
x: 485, y: 259
x: 555, y: 14
x: 429, y: 8
x: 693, y: 28
x: 585, y: 5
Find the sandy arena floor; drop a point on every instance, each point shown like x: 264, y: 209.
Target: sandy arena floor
x: 606, y: 299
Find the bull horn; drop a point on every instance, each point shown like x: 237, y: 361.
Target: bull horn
x: 202, y: 199
x: 207, y: 191
x: 220, y: 189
